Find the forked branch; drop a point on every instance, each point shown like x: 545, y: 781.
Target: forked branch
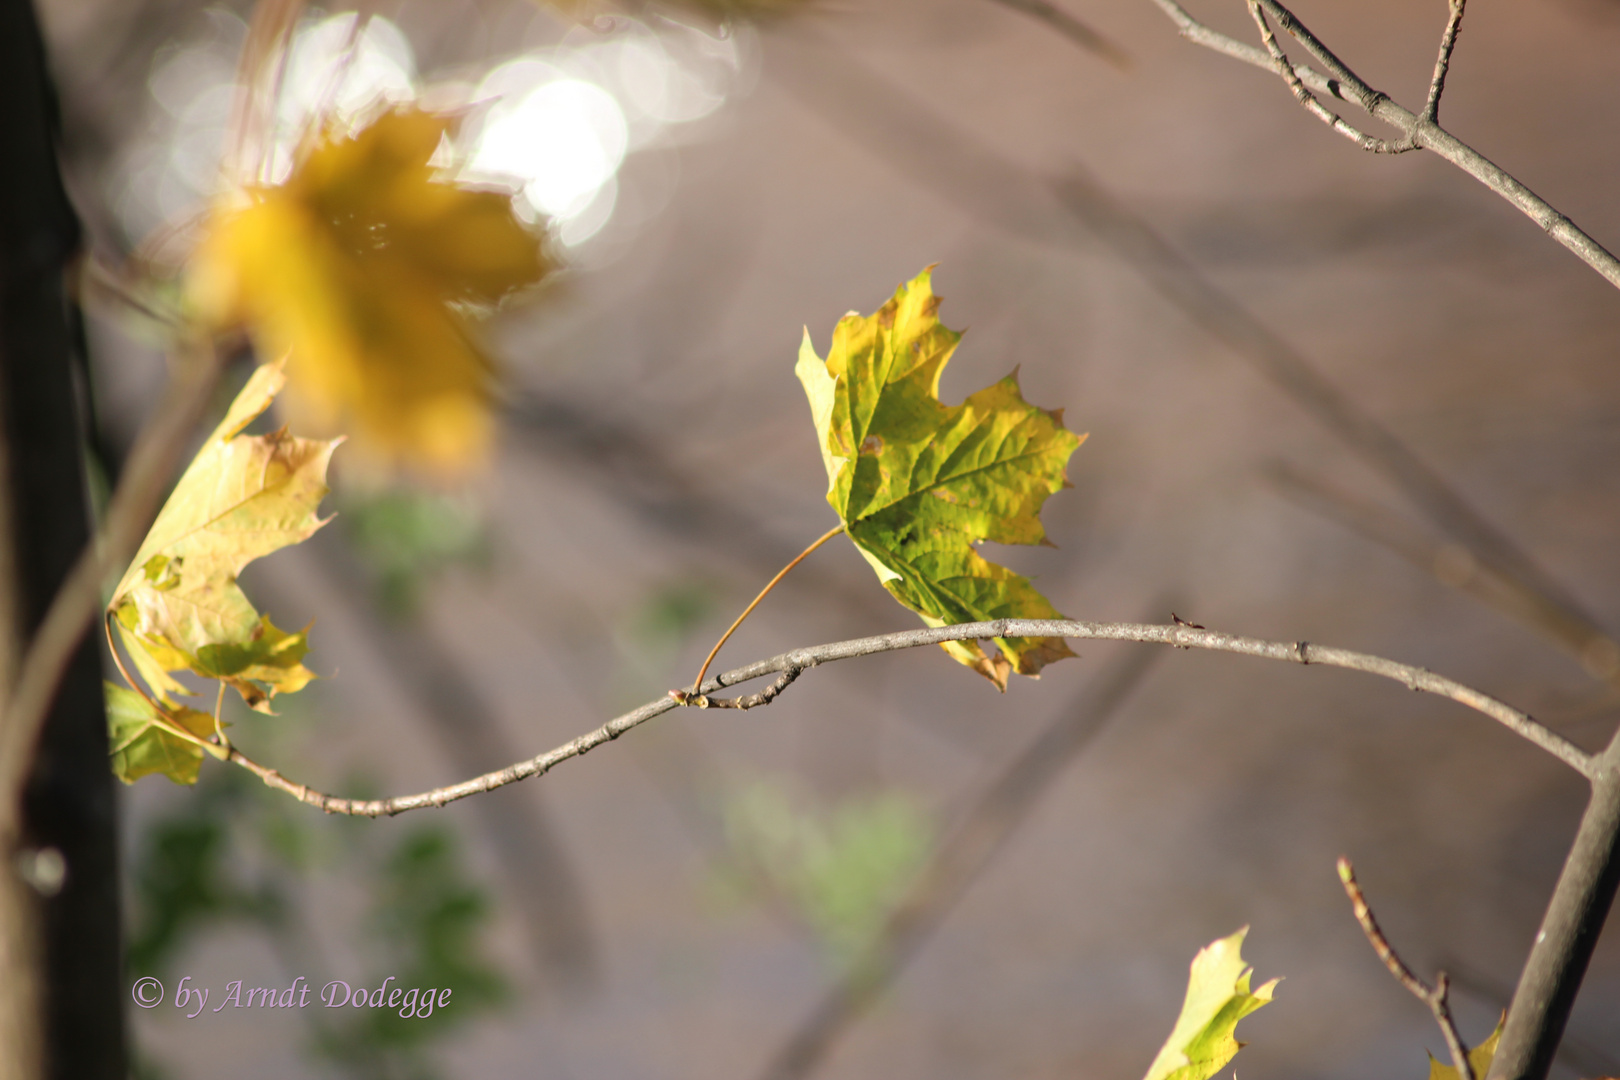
x: 1435, y: 997
x: 1285, y: 68
x: 1422, y: 131
x: 800, y: 660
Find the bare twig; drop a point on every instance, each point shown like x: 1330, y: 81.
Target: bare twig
x: 1434, y: 997
x: 152, y: 463
x: 1342, y: 83
x: 993, y: 816
x: 1442, y: 62
x: 1186, y: 637
x: 750, y: 701
x: 1332, y: 119
x: 1366, y: 96
x: 1071, y: 28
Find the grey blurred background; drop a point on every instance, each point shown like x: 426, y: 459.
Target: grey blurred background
x: 673, y: 905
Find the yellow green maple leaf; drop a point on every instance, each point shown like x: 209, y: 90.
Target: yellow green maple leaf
x: 1218, y: 996
x: 367, y: 269
x: 917, y: 482
x: 1479, y: 1058
x: 178, y: 606
x: 143, y: 740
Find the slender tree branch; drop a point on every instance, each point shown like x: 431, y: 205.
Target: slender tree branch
x: 152, y: 463
x: 1434, y: 997
x: 1180, y: 636
x: 1365, y: 95
x: 1332, y: 119
x: 1423, y: 131
x: 1071, y: 28
x: 1004, y: 805
x: 1442, y: 62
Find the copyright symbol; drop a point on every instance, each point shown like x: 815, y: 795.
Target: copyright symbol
x: 147, y: 992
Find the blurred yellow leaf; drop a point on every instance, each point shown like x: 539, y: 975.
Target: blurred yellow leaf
x: 366, y: 269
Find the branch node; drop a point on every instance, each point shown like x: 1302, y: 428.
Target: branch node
x: 751, y: 701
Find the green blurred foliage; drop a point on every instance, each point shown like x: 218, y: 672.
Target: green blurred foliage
x: 185, y: 880
x: 426, y: 923
x: 653, y: 636
x: 233, y: 855
x: 406, y: 536
x: 672, y: 612
x: 842, y: 869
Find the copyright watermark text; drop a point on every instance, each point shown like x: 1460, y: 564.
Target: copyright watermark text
x: 414, y: 1003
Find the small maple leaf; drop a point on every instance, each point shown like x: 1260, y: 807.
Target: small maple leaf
x: 178, y: 606
x: 143, y: 740
x: 365, y: 269
x: 1218, y: 996
x: 917, y: 482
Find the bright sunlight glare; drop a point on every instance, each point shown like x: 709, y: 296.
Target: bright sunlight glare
x: 554, y: 125
x: 563, y: 140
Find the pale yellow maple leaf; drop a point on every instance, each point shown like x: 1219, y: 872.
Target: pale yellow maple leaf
x: 367, y: 270
x: 179, y: 607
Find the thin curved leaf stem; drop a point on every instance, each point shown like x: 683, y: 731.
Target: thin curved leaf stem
x: 219, y: 729
x: 697, y: 683
x: 159, y: 711
x: 118, y: 662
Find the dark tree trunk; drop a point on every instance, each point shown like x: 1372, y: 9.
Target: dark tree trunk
x: 68, y: 806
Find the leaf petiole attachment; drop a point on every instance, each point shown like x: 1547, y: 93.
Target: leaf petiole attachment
x: 686, y: 697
